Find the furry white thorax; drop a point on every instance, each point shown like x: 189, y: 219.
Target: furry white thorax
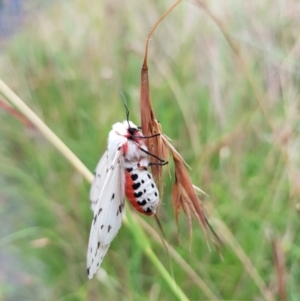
x: 121, y: 128
x: 119, y: 136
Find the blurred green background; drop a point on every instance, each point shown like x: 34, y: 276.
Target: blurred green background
x: 232, y: 113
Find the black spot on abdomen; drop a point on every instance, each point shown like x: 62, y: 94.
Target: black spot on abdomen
x: 142, y: 203
x: 134, y: 176
x: 135, y: 186
x: 138, y: 194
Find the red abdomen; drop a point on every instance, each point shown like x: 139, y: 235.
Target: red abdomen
x: 141, y: 190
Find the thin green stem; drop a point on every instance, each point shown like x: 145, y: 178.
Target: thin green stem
x: 144, y: 244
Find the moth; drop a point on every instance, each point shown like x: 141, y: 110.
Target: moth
x: 122, y: 171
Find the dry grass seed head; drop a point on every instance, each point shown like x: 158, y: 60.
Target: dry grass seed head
x: 184, y: 195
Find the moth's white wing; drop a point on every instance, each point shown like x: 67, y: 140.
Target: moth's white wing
x: 99, y: 179
x: 95, y: 260
x: 108, y: 212
x: 110, y: 206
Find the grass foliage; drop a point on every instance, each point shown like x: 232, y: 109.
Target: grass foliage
x: 232, y: 113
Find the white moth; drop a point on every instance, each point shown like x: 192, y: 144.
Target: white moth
x: 122, y: 170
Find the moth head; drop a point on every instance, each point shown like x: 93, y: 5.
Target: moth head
x: 126, y: 129
x: 132, y: 129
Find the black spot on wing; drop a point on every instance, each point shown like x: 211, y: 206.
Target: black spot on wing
x: 155, y: 193
x: 102, y: 226
x: 142, y: 203
x: 138, y: 194
x: 143, y: 181
x: 119, y: 210
x: 88, y: 271
x: 152, y: 185
x: 134, y: 176
x: 99, y: 211
x: 144, y: 190
x: 108, y: 228
x: 129, y: 169
x: 98, y: 246
x: 113, y: 196
x: 95, y: 219
x: 149, y: 176
x: 135, y: 186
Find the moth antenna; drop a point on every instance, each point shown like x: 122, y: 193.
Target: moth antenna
x: 126, y: 107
